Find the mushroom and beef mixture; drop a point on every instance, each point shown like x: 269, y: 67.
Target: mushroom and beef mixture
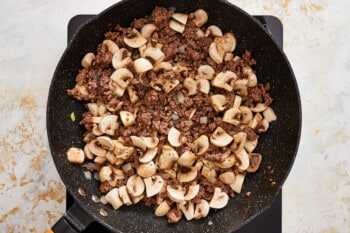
x: 174, y: 116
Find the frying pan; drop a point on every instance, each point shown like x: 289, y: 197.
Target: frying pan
x: 278, y: 146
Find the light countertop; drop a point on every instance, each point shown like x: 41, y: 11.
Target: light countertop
x: 316, y: 195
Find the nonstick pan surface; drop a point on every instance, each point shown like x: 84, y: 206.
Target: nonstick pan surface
x: 278, y: 146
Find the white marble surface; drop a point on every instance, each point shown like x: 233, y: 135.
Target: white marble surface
x: 316, y: 195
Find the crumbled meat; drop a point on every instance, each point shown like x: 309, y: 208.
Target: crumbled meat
x: 174, y: 215
x: 105, y: 187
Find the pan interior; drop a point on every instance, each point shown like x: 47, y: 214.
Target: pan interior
x: 278, y: 146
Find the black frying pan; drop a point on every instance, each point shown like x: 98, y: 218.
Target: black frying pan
x: 278, y: 146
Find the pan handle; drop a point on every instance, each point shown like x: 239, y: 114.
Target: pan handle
x: 73, y: 221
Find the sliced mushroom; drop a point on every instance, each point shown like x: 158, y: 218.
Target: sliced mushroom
x: 146, y: 169
x: 135, y: 40
x: 162, y: 209
x: 165, y: 66
x: 82, y: 89
x: 138, y: 142
x: 121, y: 58
x: 87, y: 60
x: 219, y: 200
x: 124, y: 196
x: 176, y: 26
x: 246, y: 114
x: 243, y: 159
x: 180, y: 17
x: 105, y: 173
x: 151, y: 142
x: 256, y: 120
x: 225, y: 43
x: 187, y: 209
x: 192, y: 192
x: 132, y: 94
x: 155, y: 54
x: 215, y: 53
x: 241, y: 87
x: 167, y: 157
x: 135, y: 186
x: 127, y: 118
x: 105, y: 142
x: 109, y: 124
x: 203, y: 86
x: 142, y: 65
x: 75, y: 155
x: 227, y: 163
x: 175, y: 195
x: 225, y: 80
x: 200, y: 17
x: 227, y: 177
x: 191, y: 86
x: 122, y: 77
x: 262, y: 126
x: 111, y: 46
x: 213, y: 30
x: 87, y: 152
x: 238, y: 184
x: 200, y: 33
x: 254, y: 162
x: 218, y: 102
x: 187, y: 159
x: 269, y: 114
x: 259, y: 107
x: 200, y: 145
x: 187, y: 174
x: 209, y: 174
x: 220, y: 138
x: 232, y: 116
x: 201, y: 210
x: 112, y: 197
x: 175, y: 137
x: 100, y: 160
x: 147, y: 30
x: 149, y: 155
x: 121, y: 151
x: 239, y: 141
x: 154, y: 185
x: 205, y: 72
x: 96, y: 149
x: 168, y: 84
x: 137, y: 199
x: 93, y: 108
x: 250, y: 145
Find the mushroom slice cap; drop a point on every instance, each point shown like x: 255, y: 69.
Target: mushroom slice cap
x: 227, y: 163
x: 176, y: 26
x: 219, y: 200
x: 142, y: 65
x: 175, y: 194
x: 113, y: 198
x: 136, y: 40
x: 155, y: 53
x: 192, y: 192
x: 200, y: 145
x: 106, y: 142
x: 138, y: 142
x: 187, y: 159
x: 227, y: 177
x: 246, y: 114
x: 111, y: 46
x: 122, y: 77
x: 201, y: 210
x: 225, y: 80
x: 213, y: 30
x: 75, y: 155
x: 180, y: 17
x: 218, y: 102
x: 215, y: 53
x: 187, y: 174
x: 220, y: 138
x: 127, y: 118
x: 269, y: 114
x: 254, y: 162
x: 200, y: 17
x: 175, y: 137
x: 109, y: 124
x: 187, y: 209
x: 259, y: 107
x: 147, y: 30
x: 232, y: 116
x: 203, y: 86
x: 191, y: 86
x: 225, y: 43
x: 135, y: 186
x: 250, y: 145
x: 162, y: 209
x: 205, y: 72
x: 151, y: 142
x: 124, y: 196
x: 96, y: 149
x: 209, y: 174
x: 238, y: 184
x: 146, y: 169
x: 149, y: 155
x: 262, y: 126
x: 121, y: 58
x: 87, y: 60
x: 154, y: 185
x: 167, y: 157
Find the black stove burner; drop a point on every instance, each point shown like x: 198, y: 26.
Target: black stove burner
x: 268, y: 222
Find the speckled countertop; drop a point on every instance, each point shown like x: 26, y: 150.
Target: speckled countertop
x: 316, y: 195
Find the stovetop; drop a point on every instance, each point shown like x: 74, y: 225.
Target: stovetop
x: 269, y: 221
